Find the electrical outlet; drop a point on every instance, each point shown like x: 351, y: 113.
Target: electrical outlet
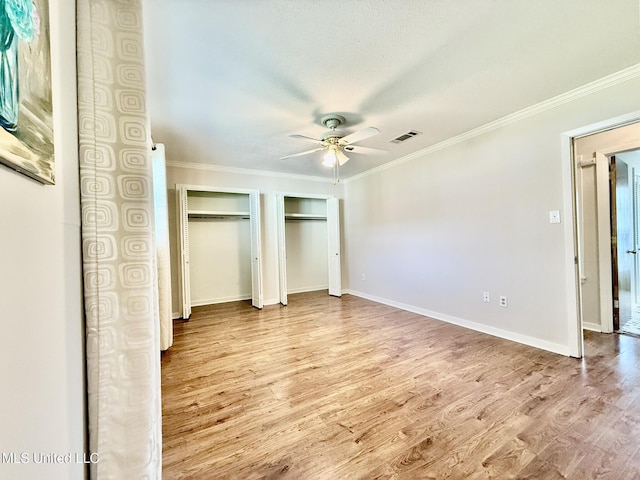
x: 486, y: 298
x: 503, y: 301
x: 363, y: 276
x: 554, y: 216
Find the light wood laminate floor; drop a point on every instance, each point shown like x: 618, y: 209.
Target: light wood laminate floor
x: 345, y: 388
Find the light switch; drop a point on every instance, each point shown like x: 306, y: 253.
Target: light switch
x: 554, y: 216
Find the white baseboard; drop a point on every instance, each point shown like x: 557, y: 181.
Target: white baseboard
x: 479, y: 327
x: 213, y: 301
x: 291, y: 291
x: 496, y: 332
x: 178, y: 315
x: 594, y: 327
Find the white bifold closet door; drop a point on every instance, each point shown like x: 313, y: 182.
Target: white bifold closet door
x: 256, y: 248
x: 333, y: 241
x: 333, y: 234
x: 257, y: 299
x: 163, y: 264
x: 185, y: 274
x: 282, y: 249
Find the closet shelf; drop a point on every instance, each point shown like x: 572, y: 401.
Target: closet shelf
x: 216, y: 214
x: 304, y: 216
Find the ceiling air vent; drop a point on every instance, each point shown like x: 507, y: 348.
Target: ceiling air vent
x: 405, y: 136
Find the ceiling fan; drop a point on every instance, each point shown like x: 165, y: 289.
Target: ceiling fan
x: 336, y: 143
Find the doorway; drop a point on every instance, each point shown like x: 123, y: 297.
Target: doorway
x: 624, y: 185
x: 308, y: 229
x: 222, y: 228
x: 606, y: 224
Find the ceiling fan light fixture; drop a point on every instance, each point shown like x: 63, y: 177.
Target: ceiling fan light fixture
x: 335, y: 143
x: 330, y: 158
x: 342, y: 158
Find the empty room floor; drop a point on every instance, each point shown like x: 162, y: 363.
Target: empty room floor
x: 340, y: 388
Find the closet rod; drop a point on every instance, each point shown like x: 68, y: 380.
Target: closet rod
x: 218, y: 217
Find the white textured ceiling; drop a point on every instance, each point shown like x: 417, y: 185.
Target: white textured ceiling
x: 230, y: 80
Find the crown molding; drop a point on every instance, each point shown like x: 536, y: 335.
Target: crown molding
x: 246, y: 171
x: 553, y: 102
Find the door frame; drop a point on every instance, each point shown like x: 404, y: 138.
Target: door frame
x: 333, y: 238
x: 571, y: 239
x: 183, y: 242
x: 615, y: 262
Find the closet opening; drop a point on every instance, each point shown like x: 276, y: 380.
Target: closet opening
x: 308, y: 244
x: 220, y: 246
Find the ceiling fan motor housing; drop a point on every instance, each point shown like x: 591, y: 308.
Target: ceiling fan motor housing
x: 331, y: 137
x: 332, y: 120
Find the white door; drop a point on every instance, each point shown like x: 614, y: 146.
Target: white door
x: 594, y: 245
x: 604, y: 242
x: 333, y: 231
x: 623, y: 251
x: 282, y: 248
x: 256, y: 250
x: 183, y: 234
x: 636, y: 235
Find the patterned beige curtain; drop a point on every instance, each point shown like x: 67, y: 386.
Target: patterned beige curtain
x: 123, y: 364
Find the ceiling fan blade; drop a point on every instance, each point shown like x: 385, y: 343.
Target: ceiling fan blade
x: 309, y: 139
x: 342, y: 158
x: 302, y: 153
x: 363, y: 150
x: 359, y: 135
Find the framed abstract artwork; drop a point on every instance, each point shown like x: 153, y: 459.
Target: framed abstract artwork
x: 26, y: 110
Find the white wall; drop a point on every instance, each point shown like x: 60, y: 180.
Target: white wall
x: 307, y: 254
x: 268, y: 184
x: 219, y: 260
x: 434, y: 233
x: 219, y: 249
x: 307, y: 247
x: 41, y: 350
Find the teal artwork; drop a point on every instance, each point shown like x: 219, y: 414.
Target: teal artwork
x: 26, y: 136
x: 18, y: 19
